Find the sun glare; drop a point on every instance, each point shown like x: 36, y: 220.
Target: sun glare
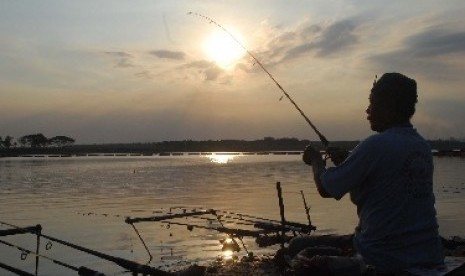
x: 221, y: 159
x: 222, y: 49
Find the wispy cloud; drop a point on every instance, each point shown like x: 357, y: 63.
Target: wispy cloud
x: 209, y: 70
x: 436, y: 42
x: 201, y: 64
x: 336, y: 38
x: 319, y: 40
x: 333, y: 39
x: 425, y: 52
x: 123, y: 59
x: 169, y: 54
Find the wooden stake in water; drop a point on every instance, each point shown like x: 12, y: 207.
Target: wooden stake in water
x: 281, y: 211
x: 307, y: 209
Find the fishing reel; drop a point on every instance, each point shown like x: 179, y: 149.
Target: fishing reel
x: 337, y: 155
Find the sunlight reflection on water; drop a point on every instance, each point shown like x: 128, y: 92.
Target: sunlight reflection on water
x: 221, y: 158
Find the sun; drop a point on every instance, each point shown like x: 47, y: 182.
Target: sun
x: 221, y: 48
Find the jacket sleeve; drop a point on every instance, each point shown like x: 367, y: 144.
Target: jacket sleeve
x: 353, y: 172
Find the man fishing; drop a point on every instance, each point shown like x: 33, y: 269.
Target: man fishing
x: 389, y: 177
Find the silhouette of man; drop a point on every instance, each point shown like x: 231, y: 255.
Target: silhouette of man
x: 389, y: 177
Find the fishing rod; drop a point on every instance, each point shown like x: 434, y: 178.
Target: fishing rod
x: 265, y: 226
x: 36, y: 230
x: 18, y: 230
x: 323, y: 139
x: 230, y: 216
x: 15, y: 270
x: 257, y: 222
x: 132, y: 266
x: 82, y: 271
x: 264, y: 223
x: 185, y: 214
x: 129, y: 265
x: 129, y: 220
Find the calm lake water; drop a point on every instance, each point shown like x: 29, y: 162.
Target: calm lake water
x: 84, y: 200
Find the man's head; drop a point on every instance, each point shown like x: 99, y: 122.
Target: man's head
x: 392, y: 101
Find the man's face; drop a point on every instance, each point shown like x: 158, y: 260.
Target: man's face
x: 378, y: 114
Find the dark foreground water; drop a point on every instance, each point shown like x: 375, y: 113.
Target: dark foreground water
x: 85, y: 200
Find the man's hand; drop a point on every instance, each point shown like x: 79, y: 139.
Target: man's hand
x: 311, y: 156
x: 337, y: 155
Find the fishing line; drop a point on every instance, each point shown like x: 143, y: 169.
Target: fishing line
x: 320, y: 135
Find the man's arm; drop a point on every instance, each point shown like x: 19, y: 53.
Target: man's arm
x: 313, y: 157
x: 318, y: 168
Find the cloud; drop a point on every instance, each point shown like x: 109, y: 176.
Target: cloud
x: 212, y: 73
x: 199, y: 64
x: 427, y: 52
x: 333, y: 39
x: 436, y: 42
x: 145, y: 74
x: 169, y: 54
x: 336, y: 38
x: 299, y: 50
x: 321, y: 40
x: 209, y: 70
x: 123, y: 59
x: 310, y: 30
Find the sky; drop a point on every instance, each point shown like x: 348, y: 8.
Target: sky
x: 138, y: 71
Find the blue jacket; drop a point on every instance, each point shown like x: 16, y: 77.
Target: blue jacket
x: 390, y: 179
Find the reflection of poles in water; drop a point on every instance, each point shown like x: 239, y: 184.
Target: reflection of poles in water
x: 320, y: 135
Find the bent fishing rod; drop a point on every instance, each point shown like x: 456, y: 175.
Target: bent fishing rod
x: 323, y: 139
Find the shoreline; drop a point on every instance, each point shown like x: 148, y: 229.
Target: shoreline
x: 65, y: 154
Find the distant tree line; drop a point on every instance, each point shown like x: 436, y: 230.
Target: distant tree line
x: 227, y: 145
x: 7, y: 142
x: 39, y: 144
x: 35, y: 141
